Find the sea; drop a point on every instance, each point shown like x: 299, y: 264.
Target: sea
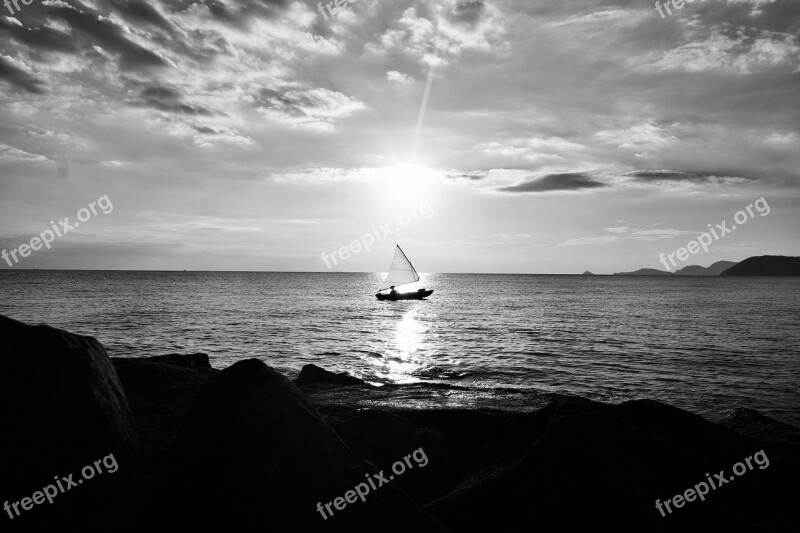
x: 706, y: 344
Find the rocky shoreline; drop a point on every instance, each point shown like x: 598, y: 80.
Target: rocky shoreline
x: 245, y: 448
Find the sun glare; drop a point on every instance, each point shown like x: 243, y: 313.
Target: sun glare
x: 406, y: 181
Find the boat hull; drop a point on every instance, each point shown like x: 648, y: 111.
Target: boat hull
x: 419, y: 295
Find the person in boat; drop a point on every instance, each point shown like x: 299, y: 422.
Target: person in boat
x: 392, y: 292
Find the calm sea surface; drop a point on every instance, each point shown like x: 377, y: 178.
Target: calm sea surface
x: 704, y: 344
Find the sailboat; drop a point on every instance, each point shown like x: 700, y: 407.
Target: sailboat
x: 401, y: 273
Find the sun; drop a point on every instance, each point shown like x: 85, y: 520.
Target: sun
x: 406, y: 181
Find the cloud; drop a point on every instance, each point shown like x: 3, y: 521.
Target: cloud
x: 742, y: 53
x: 311, y: 108
x: 9, y: 154
x: 440, y: 33
x: 671, y: 175
x: 641, y: 136
x: 11, y: 21
x: 239, y: 13
x: 667, y: 175
x: 139, y: 11
x: 170, y: 100
x: 468, y: 12
x: 475, y: 175
x: 18, y: 78
x: 102, y: 31
x: 529, y: 96
x: 625, y: 233
x: 210, y: 136
x: 398, y: 77
x: 556, y: 182
x: 41, y: 38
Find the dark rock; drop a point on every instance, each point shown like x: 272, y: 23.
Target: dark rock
x: 466, y: 431
x: 384, y: 438
x: 253, y: 452
x: 751, y: 423
x: 63, y: 408
x: 314, y: 375
x: 159, y: 393
x: 249, y: 451
x: 192, y: 360
x: 581, y: 465
x: 438, y: 476
x: 374, y: 434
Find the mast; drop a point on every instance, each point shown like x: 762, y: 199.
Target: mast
x: 414, y: 270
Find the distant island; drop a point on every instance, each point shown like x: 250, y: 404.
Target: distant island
x: 645, y: 272
x: 692, y: 270
x: 587, y: 273
x: 765, y: 265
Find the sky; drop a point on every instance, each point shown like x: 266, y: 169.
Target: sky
x: 505, y: 136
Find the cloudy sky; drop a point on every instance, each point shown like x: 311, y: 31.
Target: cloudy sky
x: 483, y: 136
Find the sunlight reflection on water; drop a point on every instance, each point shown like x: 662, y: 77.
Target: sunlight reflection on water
x: 404, y: 351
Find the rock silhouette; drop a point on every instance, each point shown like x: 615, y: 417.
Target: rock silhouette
x: 254, y: 451
x: 576, y: 465
x: 245, y: 449
x: 62, y: 408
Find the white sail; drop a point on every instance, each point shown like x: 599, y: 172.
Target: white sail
x: 401, y: 272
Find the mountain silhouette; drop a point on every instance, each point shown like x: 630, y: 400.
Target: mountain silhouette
x: 766, y: 265
x: 714, y: 269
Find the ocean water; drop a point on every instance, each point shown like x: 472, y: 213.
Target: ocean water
x: 706, y: 344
